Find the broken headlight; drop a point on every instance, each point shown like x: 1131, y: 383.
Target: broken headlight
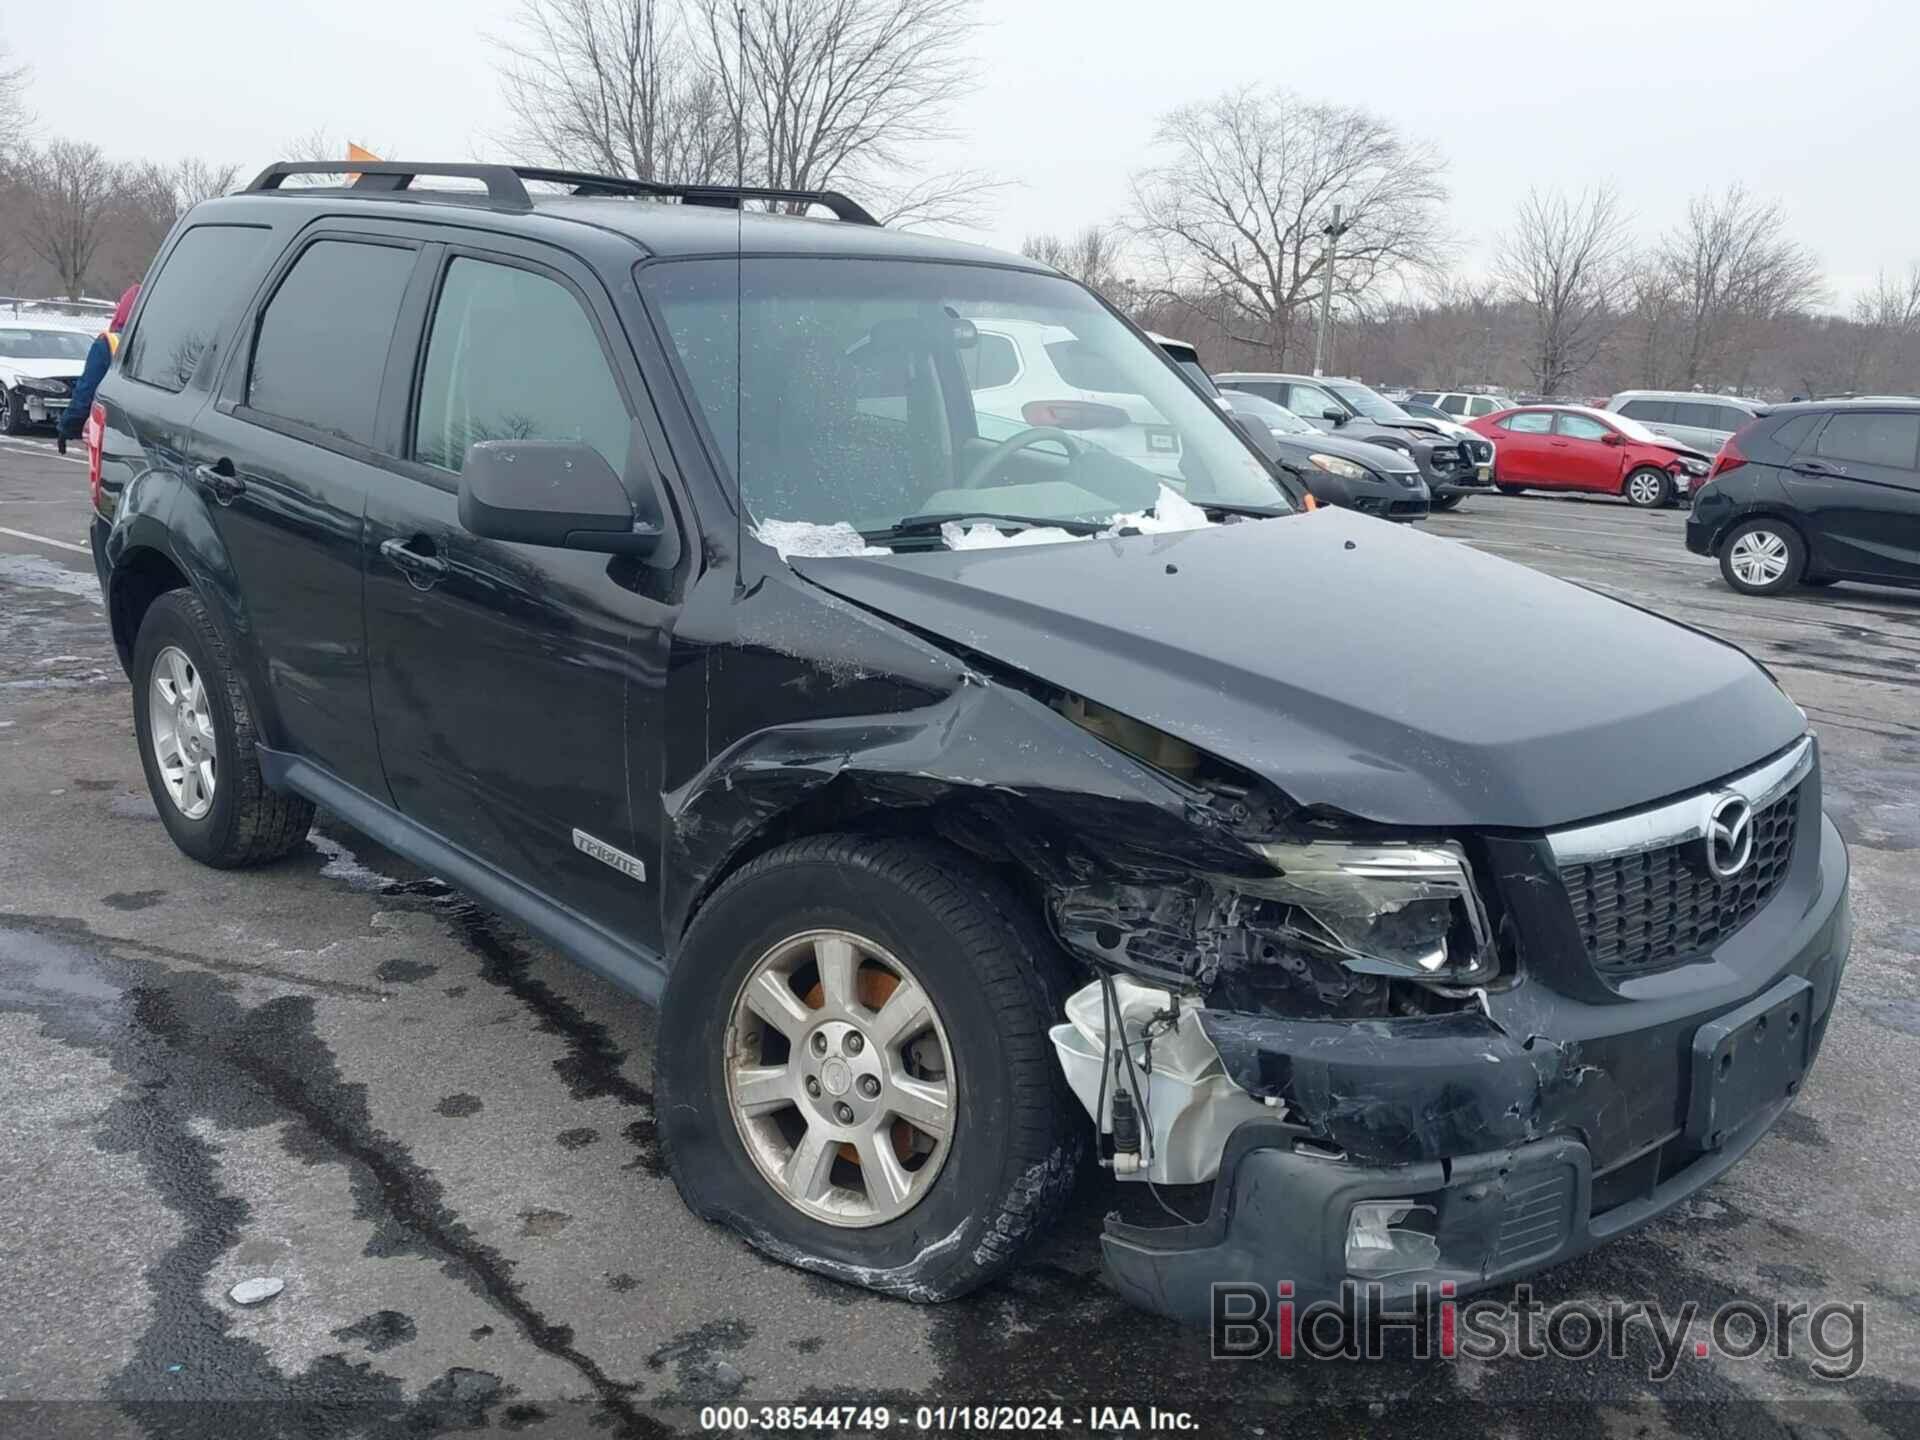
x: 1408, y: 911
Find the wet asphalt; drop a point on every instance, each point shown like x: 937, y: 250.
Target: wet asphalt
x: 439, y: 1135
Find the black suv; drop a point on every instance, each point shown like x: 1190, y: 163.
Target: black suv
x: 674, y: 580
x: 1813, y: 493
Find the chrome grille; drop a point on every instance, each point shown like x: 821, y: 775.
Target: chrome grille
x: 1655, y: 908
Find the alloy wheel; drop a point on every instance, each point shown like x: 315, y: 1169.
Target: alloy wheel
x: 1759, y: 557
x: 1644, y: 489
x: 840, y: 1078
x: 181, y: 726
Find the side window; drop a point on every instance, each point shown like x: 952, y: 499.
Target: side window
x: 1892, y: 440
x: 479, y: 385
x: 1794, y: 435
x: 322, y: 345
x: 1265, y: 389
x: 1310, y: 402
x: 1424, y: 397
x: 1086, y: 368
x: 1480, y: 405
x: 1580, y: 427
x: 206, y: 279
x: 1696, y: 414
x: 1454, y: 404
x: 991, y: 362
x: 1732, y: 419
x: 1649, y: 412
x: 1528, y: 422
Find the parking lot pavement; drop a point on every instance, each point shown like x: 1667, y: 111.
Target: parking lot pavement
x: 440, y: 1135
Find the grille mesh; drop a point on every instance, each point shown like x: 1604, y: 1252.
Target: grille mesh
x: 1655, y: 909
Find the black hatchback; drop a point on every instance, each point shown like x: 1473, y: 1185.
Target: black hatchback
x: 1813, y: 493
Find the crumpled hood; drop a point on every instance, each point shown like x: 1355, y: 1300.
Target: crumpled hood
x: 1356, y: 664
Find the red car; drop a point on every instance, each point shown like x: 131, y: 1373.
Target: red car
x: 1571, y: 447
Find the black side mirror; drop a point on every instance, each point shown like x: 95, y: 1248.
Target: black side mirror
x: 555, y: 492
x: 1338, y: 417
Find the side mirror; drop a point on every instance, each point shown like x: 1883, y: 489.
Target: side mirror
x: 554, y: 492
x: 1613, y: 437
x: 1338, y: 417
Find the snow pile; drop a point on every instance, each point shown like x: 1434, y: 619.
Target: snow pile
x: 814, y: 542
x: 1171, y: 511
x: 982, y: 536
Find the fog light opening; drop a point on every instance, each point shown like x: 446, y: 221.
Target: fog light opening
x: 1384, y: 1237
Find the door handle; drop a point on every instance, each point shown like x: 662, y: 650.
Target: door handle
x: 220, y: 480
x: 1819, y: 467
x: 424, y: 569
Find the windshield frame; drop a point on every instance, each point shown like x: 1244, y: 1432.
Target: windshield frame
x: 720, y: 464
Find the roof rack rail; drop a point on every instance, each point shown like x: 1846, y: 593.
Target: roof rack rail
x: 506, y: 185
x: 384, y: 177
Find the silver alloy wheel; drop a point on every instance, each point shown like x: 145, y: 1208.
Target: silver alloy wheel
x: 181, y: 728
x: 1758, y: 557
x: 840, y: 1078
x: 1644, y: 488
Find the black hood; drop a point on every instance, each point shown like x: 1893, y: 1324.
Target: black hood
x: 1394, y: 675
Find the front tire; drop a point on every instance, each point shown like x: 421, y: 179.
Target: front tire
x: 1445, y: 502
x: 1649, y: 489
x: 913, y: 1145
x: 13, y: 412
x: 1763, y: 557
x: 1511, y: 490
x: 197, y: 743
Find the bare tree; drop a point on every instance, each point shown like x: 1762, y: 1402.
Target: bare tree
x: 153, y: 196
x: 1735, y: 268
x: 70, y: 191
x: 1565, y: 262
x: 613, y: 87
x: 1886, y: 319
x: 15, y: 119
x: 848, y: 94
x: 1244, y: 186
x: 1092, y: 257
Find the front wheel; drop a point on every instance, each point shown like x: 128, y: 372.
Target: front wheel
x: 13, y: 412
x: 1763, y: 557
x: 1446, y: 502
x: 1649, y: 489
x: 1511, y: 489
x: 853, y: 1068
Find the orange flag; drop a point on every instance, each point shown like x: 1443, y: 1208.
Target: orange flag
x: 358, y: 152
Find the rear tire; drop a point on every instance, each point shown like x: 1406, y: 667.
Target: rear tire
x: 232, y: 819
x: 1447, y: 502
x: 1511, y: 489
x: 1763, y: 557
x: 993, y: 980
x: 1648, y: 488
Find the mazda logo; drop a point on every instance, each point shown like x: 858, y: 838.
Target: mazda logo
x: 1729, y: 836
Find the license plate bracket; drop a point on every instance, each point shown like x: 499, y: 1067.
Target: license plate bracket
x: 1748, y: 1059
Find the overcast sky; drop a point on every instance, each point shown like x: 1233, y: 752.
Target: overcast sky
x: 1815, y: 103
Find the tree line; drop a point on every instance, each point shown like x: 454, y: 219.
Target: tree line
x: 1222, y: 237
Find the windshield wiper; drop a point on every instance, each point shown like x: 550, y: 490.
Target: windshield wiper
x: 1234, y: 507
x: 914, y: 525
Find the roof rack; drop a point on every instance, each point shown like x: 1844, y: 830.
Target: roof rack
x: 506, y: 185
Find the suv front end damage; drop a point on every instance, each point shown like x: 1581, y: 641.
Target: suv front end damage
x: 1450, y: 1060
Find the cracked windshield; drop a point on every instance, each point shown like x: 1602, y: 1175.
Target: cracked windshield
x: 871, y: 407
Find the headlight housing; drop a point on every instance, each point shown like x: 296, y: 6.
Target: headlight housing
x: 1335, y: 465
x: 1694, y: 467
x: 40, y: 387
x: 1384, y: 908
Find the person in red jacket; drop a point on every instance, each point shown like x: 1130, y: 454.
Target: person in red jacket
x: 99, y: 359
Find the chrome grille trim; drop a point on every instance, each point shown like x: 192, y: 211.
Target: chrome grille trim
x: 1679, y: 821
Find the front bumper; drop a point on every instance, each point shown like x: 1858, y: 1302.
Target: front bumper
x: 1282, y: 1201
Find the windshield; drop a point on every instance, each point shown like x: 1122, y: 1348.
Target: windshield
x: 863, y: 393
x: 44, y: 344
x: 1274, y: 417
x: 1632, y: 429
x: 1369, y: 403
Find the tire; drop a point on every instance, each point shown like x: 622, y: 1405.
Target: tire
x: 1511, y: 490
x: 1757, y: 548
x: 245, y: 822
x: 13, y: 413
x: 1648, y: 488
x: 995, y: 981
x: 1447, y: 502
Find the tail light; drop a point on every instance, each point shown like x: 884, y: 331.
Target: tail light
x: 95, y: 428
x: 1073, y: 415
x: 1731, y: 456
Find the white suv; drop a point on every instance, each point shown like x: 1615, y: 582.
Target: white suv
x: 1461, y: 405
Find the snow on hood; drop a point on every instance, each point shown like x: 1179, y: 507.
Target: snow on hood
x: 809, y: 540
x: 41, y: 369
x: 1171, y: 511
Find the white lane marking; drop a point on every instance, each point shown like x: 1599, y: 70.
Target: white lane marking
x: 45, y: 540
x: 45, y: 451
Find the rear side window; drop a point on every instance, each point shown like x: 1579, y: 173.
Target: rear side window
x: 1529, y: 422
x: 1795, y: 433
x: 1424, y: 397
x: 991, y: 362
x: 481, y: 384
x: 1701, y: 416
x: 1480, y: 405
x: 1085, y: 368
x: 322, y: 346
x: 1454, y: 404
x: 1871, y: 440
x: 1265, y: 389
x: 1731, y: 418
x: 190, y: 303
x: 1649, y: 412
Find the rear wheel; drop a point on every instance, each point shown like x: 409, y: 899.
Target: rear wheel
x: 1763, y: 557
x: 1446, y: 502
x: 853, y: 1068
x: 1511, y: 489
x: 197, y: 740
x: 1648, y: 488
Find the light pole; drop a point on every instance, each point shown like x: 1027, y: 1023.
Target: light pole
x: 1322, y: 339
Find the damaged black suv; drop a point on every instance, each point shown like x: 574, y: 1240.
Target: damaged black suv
x: 977, y: 776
